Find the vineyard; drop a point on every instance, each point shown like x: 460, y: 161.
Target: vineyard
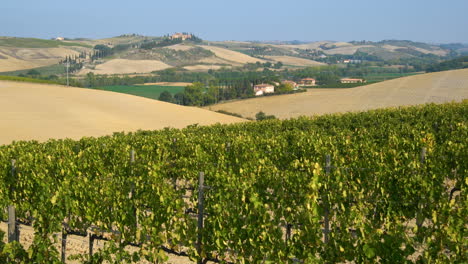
x: 383, y: 186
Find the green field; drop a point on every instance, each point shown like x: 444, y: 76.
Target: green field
x: 56, y: 69
x: 148, y: 91
x: 25, y: 79
x: 36, y: 43
x: 379, y: 77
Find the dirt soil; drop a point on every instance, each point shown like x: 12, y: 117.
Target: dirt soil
x: 80, y: 245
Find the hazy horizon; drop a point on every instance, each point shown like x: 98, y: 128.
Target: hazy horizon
x: 423, y: 21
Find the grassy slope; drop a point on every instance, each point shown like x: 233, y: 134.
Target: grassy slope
x: 378, y: 77
x: 25, y: 79
x: 36, y: 43
x: 46, y: 70
x: 148, y: 91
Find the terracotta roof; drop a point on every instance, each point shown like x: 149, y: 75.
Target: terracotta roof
x: 263, y: 85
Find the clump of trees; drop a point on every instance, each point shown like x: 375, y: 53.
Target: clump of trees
x: 262, y: 116
x: 258, y: 65
x: 458, y: 63
x: 198, y: 94
x: 284, y: 87
x: 158, y: 44
x: 167, y: 41
x: 166, y: 97
x: 101, y: 51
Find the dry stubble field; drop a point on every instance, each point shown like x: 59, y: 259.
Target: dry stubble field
x: 36, y: 111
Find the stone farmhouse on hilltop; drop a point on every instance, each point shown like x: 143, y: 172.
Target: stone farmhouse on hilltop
x: 181, y: 36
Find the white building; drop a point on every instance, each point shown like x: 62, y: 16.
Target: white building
x: 263, y: 88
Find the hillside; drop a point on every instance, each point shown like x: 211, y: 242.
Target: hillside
x: 458, y: 63
x: 384, y: 50
x: 433, y: 87
x: 144, y: 54
x: 27, y: 53
x: 37, y: 111
x: 122, y: 66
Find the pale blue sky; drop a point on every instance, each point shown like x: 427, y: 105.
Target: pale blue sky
x: 431, y: 21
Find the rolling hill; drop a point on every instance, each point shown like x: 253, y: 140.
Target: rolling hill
x: 39, y: 112
x: 27, y: 53
x: 123, y: 66
x: 131, y: 53
x: 419, y: 89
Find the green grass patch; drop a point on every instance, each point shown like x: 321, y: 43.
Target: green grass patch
x: 344, y: 85
x: 36, y: 43
x: 25, y: 79
x: 378, y: 77
x: 148, y: 91
x: 56, y: 69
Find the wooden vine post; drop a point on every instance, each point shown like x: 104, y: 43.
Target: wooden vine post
x: 201, y: 182
x: 131, y: 195
x: 91, y: 244
x: 419, y: 214
x: 64, y: 244
x: 12, y: 227
x: 326, y: 205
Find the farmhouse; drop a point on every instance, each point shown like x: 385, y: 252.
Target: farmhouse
x: 60, y: 38
x: 350, y: 80
x: 181, y: 36
x: 307, y: 82
x: 263, y: 88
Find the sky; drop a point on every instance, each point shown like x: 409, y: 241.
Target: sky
x: 442, y: 21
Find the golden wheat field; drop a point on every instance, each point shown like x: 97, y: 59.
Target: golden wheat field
x: 232, y: 56
x: 12, y: 59
x: 295, y: 61
x: 37, y: 111
x: 437, y: 87
x: 122, y: 66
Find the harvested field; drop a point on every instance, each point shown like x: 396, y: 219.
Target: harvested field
x: 346, y: 50
x: 216, y: 60
x: 436, y: 87
x: 232, y: 56
x: 294, y: 61
x: 27, y: 58
x: 312, y: 45
x: 35, y: 111
x: 180, y: 47
x: 121, y: 66
x: 202, y: 67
